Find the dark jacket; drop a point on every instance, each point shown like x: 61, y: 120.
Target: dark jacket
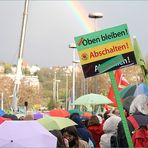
x: 142, y: 121
x: 83, y: 133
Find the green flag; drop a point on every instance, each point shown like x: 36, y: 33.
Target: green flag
x: 140, y: 60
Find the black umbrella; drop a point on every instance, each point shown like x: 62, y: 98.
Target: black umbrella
x: 127, y: 91
x: 134, y: 90
x: 127, y: 102
x: 10, y: 116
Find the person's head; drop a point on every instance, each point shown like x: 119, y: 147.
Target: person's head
x: 100, y: 114
x: 106, y: 115
x: 29, y: 117
x: 70, y: 133
x: 21, y: 118
x: 73, y: 115
x: 116, y: 112
x: 77, y: 119
x: 60, y: 141
x: 110, y: 125
x: 85, y: 121
x: 93, y: 120
x: 139, y: 104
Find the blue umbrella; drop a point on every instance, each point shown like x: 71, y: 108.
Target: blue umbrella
x: 2, y: 112
x: 141, y: 89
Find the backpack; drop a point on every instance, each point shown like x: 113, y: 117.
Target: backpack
x: 114, y: 141
x: 140, y: 134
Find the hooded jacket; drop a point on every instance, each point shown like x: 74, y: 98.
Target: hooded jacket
x: 109, y: 128
x: 83, y: 133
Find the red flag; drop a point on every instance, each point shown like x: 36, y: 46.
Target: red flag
x: 121, y: 83
x: 106, y: 107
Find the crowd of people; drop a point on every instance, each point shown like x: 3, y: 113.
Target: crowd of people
x: 102, y: 130
x: 106, y: 130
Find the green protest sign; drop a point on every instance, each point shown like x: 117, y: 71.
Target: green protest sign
x: 98, y: 47
x: 102, y: 37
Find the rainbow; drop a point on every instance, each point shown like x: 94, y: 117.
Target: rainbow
x: 81, y: 14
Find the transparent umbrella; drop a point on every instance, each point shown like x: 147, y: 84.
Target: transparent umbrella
x: 55, y: 123
x: 92, y: 99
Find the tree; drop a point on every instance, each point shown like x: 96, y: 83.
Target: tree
x: 7, y: 68
x: 51, y: 105
x: 26, y: 71
x: 6, y: 87
x: 33, y: 95
x: 146, y: 60
x: 43, y: 74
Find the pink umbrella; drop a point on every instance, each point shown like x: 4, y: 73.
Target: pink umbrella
x: 25, y: 134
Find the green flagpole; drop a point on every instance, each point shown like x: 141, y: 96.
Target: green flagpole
x: 120, y: 107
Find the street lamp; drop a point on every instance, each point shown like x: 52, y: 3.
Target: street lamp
x: 95, y: 15
x: 67, y: 90
x: 57, y: 89
x: 73, y: 46
x: 54, y: 87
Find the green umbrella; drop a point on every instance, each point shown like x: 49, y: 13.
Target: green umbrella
x: 75, y: 111
x: 92, y: 99
x: 55, y: 123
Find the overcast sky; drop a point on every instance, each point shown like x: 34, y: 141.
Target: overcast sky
x: 52, y: 26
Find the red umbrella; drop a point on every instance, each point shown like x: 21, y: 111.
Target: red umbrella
x: 59, y: 113
x: 2, y: 119
x: 87, y: 115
